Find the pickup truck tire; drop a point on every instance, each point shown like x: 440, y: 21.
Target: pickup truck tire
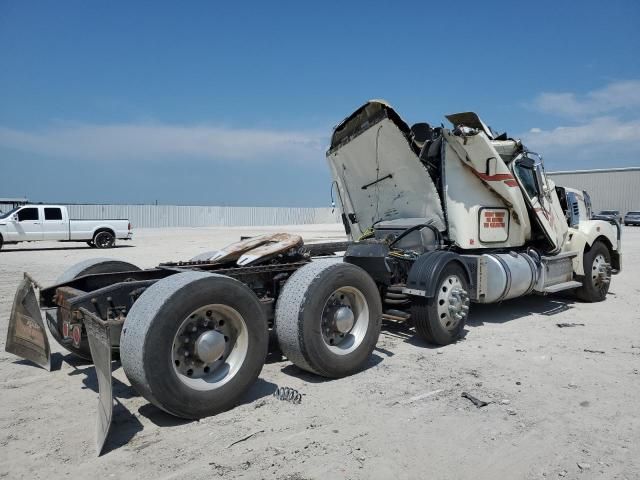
x: 1, y: 242
x: 104, y: 239
x: 328, y: 318
x: 172, y: 317
x: 441, y: 319
x: 91, y: 244
x: 597, y: 269
x: 86, y: 267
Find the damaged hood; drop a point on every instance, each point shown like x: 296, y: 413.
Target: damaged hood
x: 378, y: 174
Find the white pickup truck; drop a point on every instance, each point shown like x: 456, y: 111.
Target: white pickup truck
x: 30, y: 223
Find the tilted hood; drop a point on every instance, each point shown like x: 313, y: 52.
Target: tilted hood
x: 378, y: 174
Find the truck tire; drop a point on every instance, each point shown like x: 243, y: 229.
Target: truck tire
x: 91, y: 244
x: 1, y: 242
x: 328, y: 318
x: 104, y: 239
x: 194, y: 342
x: 597, y: 269
x: 441, y: 319
x: 86, y: 267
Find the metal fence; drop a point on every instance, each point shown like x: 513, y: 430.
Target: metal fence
x: 158, y: 216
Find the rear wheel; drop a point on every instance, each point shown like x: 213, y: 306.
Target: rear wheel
x: 441, y: 319
x: 597, y: 273
x: 104, y: 239
x: 194, y: 342
x: 328, y: 318
x: 87, y: 267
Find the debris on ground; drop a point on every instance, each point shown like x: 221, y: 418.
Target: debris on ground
x: 476, y: 401
x: 565, y: 325
x: 584, y: 466
x: 288, y: 395
x: 511, y: 411
x: 245, y: 438
x: 415, y: 398
x: 588, y: 350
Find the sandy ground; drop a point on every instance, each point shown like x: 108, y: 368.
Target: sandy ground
x: 557, y: 411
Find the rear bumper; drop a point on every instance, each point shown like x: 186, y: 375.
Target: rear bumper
x: 631, y: 221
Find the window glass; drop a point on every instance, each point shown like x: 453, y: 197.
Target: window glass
x: 52, y: 214
x: 528, y: 178
x: 28, y: 214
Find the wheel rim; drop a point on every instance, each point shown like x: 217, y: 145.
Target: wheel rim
x: 453, y: 303
x: 104, y: 239
x: 600, y: 272
x: 345, y: 320
x: 209, y: 347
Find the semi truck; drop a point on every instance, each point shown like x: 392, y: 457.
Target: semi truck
x: 33, y: 223
x: 437, y: 219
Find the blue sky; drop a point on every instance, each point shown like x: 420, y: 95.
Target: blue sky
x: 232, y: 103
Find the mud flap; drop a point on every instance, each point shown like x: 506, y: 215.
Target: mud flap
x: 98, y: 332
x: 26, y: 335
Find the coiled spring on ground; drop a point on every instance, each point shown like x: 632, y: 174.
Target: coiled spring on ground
x: 288, y: 394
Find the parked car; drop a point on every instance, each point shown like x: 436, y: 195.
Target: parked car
x: 632, y: 218
x: 32, y: 223
x: 609, y: 215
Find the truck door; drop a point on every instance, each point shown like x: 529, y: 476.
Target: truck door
x: 54, y: 227
x: 26, y: 224
x: 541, y: 199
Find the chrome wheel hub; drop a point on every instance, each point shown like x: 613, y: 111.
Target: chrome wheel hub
x: 345, y: 320
x: 209, y: 347
x: 600, y: 271
x: 453, y: 302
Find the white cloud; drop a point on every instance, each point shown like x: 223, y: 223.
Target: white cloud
x: 160, y: 141
x: 600, y: 143
x: 617, y: 96
x: 601, y: 128
x: 597, y: 131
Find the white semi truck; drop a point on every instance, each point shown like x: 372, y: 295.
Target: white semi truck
x: 437, y: 219
x: 33, y: 223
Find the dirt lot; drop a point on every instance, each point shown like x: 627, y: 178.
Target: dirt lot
x: 557, y: 411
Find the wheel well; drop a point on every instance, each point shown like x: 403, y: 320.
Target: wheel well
x: 103, y: 229
x: 429, y: 266
x: 615, y: 256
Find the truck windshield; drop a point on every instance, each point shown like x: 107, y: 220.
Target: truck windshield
x: 9, y: 213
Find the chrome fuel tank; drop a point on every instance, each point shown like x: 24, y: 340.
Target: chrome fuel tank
x: 505, y: 275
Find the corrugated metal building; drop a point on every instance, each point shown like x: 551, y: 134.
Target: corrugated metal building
x: 609, y: 189
x: 158, y: 216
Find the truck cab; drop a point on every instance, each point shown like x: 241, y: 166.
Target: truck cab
x: 485, y: 195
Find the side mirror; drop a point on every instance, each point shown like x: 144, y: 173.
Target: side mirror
x: 15, y: 218
x: 540, y: 179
